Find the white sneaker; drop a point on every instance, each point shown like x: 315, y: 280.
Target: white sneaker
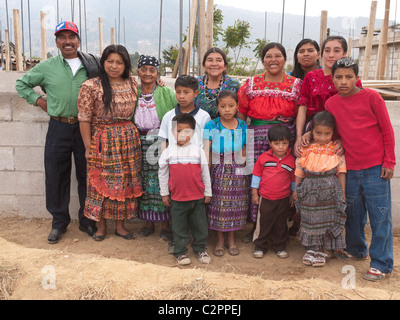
x: 183, y: 260
x: 282, y: 254
x: 258, y: 254
x: 203, y: 257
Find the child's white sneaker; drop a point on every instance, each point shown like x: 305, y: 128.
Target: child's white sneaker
x: 282, y: 254
x: 203, y: 257
x: 183, y: 260
x: 258, y: 254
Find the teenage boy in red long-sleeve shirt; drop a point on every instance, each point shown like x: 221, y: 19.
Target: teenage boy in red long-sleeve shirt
x: 367, y: 136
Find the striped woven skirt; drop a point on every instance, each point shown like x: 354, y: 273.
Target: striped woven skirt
x: 322, y: 209
x: 114, y: 172
x: 151, y: 207
x: 258, y: 143
x: 229, y: 206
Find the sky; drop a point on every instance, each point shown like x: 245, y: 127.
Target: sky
x: 335, y: 8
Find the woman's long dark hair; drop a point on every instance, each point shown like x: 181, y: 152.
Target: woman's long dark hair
x: 105, y: 81
x: 298, y: 71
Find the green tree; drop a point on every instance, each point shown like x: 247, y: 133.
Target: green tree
x: 170, y: 55
x: 260, y: 44
x: 134, y: 59
x: 235, y: 38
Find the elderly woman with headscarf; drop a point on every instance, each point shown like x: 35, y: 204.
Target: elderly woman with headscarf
x: 154, y: 101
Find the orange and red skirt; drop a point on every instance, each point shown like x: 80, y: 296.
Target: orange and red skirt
x: 114, y: 172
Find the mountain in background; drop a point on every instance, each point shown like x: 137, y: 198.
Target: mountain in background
x: 140, y: 32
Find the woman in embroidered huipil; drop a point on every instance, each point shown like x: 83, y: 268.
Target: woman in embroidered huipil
x: 106, y: 105
x: 214, y: 81
x: 268, y: 99
x: 153, y: 103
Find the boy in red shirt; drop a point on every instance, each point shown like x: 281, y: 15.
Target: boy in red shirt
x: 367, y: 136
x: 185, y: 187
x: 273, y: 177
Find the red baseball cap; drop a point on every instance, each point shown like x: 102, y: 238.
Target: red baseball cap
x: 67, y: 26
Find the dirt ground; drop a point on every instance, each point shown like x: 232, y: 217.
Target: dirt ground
x: 141, y: 269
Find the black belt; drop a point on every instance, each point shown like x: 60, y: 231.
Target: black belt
x: 66, y: 120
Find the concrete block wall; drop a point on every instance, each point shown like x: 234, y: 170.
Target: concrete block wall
x: 23, y: 130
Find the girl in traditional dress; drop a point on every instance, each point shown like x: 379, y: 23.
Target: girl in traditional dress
x: 320, y: 193
x: 225, y: 143
x: 153, y: 103
x: 106, y: 106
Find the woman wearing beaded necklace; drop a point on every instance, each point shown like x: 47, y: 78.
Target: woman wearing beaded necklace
x: 153, y: 103
x: 214, y: 81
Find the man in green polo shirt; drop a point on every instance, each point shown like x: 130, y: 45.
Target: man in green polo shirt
x: 61, y: 78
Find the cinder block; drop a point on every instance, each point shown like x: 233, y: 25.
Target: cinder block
x: 6, y: 159
x: 8, y: 206
x: 32, y: 207
x: 22, y: 111
x: 29, y: 159
x: 22, y: 183
x: 21, y: 134
x: 5, y: 108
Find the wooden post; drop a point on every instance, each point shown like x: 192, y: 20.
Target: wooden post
x: 189, y: 39
x: 101, y: 35
x: 398, y: 71
x: 349, y: 47
x: 7, y: 53
x: 324, y: 26
x: 210, y: 25
x: 43, y: 34
x: 370, y: 36
x: 18, y: 40
x: 112, y: 35
x: 202, y: 28
x: 381, y: 62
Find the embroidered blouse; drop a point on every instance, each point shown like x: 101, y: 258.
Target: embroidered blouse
x: 91, y: 105
x: 263, y: 100
x: 317, y: 158
x: 316, y: 89
x: 146, y: 117
x: 206, y: 98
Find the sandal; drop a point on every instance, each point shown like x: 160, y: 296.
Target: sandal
x: 128, y: 236
x: 308, y: 258
x: 99, y: 237
x: 374, y: 275
x: 219, y: 251
x: 343, y: 254
x: 233, y: 250
x: 319, y: 259
x: 145, y: 232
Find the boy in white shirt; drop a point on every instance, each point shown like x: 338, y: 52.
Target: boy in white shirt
x: 186, y: 90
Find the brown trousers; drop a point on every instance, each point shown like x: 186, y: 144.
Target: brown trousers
x: 272, y: 224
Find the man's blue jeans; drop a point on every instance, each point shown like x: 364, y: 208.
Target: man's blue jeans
x: 367, y: 191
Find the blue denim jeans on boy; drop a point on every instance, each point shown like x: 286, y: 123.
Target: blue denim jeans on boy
x: 367, y: 191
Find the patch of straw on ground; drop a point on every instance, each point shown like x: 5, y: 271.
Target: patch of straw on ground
x: 9, y: 275
x: 112, y: 290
